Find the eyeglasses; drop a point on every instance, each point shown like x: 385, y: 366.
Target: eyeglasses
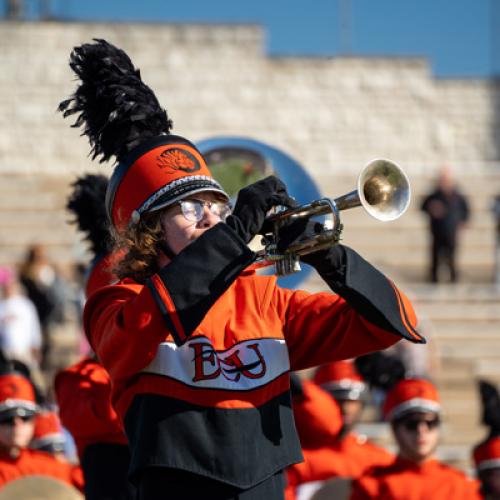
x: 193, y: 210
x: 412, y: 424
x: 12, y: 420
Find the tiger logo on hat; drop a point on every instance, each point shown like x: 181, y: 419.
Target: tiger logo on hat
x: 176, y: 159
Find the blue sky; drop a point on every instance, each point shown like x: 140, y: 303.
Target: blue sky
x: 459, y: 37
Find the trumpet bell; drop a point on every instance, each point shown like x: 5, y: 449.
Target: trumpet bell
x: 384, y: 190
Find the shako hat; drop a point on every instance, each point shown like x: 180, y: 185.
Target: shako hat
x: 341, y: 379
x: 17, y: 396
x: 487, y: 454
x: 411, y: 395
x: 123, y: 120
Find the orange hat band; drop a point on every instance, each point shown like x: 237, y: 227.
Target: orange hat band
x: 493, y: 463
x: 413, y: 405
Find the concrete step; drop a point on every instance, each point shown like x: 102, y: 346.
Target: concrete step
x: 469, y: 350
x: 20, y: 200
x: 426, y: 292
x: 462, y: 308
x: 489, y: 368
x: 23, y: 219
x: 56, y: 236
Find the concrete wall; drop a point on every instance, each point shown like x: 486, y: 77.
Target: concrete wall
x: 329, y: 114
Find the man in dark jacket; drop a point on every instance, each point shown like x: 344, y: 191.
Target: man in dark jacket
x: 448, y: 211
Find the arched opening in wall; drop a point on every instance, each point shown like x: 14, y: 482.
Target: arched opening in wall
x: 237, y: 167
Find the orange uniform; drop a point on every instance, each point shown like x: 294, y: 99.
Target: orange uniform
x: 407, y: 480
x: 38, y: 463
x: 187, y: 360
x: 350, y: 456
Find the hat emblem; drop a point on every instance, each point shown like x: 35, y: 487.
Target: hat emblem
x: 176, y: 159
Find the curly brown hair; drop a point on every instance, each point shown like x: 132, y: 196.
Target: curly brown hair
x: 140, y: 245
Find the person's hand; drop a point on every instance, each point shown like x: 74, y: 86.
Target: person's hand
x: 303, y: 229
x: 253, y: 204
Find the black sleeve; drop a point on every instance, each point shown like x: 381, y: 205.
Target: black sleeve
x: 369, y: 292
x: 186, y: 288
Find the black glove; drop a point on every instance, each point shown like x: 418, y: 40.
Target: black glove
x: 330, y: 261
x: 253, y: 204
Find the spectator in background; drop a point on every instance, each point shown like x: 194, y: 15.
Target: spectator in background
x: 20, y: 336
x: 413, y: 408
x: 43, y: 287
x: 496, y: 215
x: 448, y: 211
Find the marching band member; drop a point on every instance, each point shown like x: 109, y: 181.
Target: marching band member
x: 487, y: 462
x: 413, y: 408
x: 319, y: 421
x: 199, y: 347
x: 48, y: 435
x: 346, y: 453
x: 83, y: 390
x: 486, y: 454
x: 17, y: 412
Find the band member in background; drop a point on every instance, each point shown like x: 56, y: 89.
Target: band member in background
x: 318, y: 421
x: 413, y: 409
x: 48, y: 435
x: 346, y: 453
x: 486, y: 454
x: 487, y: 462
x: 17, y: 412
x: 342, y: 380
x: 83, y: 390
x: 199, y: 347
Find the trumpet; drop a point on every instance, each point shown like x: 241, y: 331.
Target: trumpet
x: 383, y: 190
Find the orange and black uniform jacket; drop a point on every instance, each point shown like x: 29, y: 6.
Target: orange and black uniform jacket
x: 38, y: 463
x: 83, y: 394
x: 199, y: 356
x: 326, y: 453
x: 406, y: 480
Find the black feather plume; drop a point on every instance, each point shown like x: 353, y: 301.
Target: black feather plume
x: 116, y: 109
x: 87, y: 204
x: 380, y: 370
x: 490, y: 399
